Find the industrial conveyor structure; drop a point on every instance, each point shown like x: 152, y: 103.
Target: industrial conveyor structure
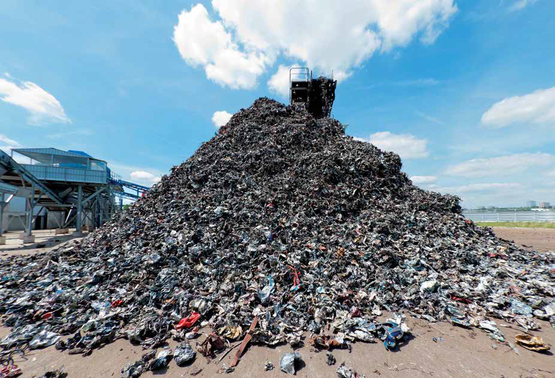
x: 317, y: 95
x: 72, y: 182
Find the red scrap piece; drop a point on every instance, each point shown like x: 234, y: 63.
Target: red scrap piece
x: 189, y: 321
x: 296, y: 279
x: 117, y: 303
x: 47, y: 315
x: 356, y: 313
x: 327, y: 342
x: 493, y: 255
x: 212, y: 344
x: 459, y: 299
x: 246, y: 340
x: 10, y: 371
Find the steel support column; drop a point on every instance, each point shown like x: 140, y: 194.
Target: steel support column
x: 101, y: 210
x: 30, y: 206
x: 79, y: 207
x: 2, y: 207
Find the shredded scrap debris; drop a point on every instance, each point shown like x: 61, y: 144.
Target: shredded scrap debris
x: 284, y: 218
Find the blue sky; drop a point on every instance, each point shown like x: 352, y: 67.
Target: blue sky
x: 463, y: 90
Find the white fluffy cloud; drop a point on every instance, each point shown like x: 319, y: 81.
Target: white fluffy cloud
x: 502, y: 165
x: 423, y: 179
x: 279, y: 82
x: 202, y: 42
x: 327, y: 35
x: 6, y: 144
x: 145, y: 176
x: 42, y: 105
x: 536, y: 108
x: 142, y: 175
x: 220, y: 118
x: 520, y: 4
x: 406, y: 145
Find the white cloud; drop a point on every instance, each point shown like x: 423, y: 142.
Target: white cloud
x: 220, y: 118
x: 423, y: 179
x: 326, y: 36
x: 520, y: 4
x: 502, y: 165
x: 6, y: 144
x: 73, y: 132
x: 145, y: 176
x: 42, y: 105
x: 551, y: 174
x: 537, y: 108
x: 279, y: 82
x: 430, y: 118
x: 202, y: 42
x: 8, y: 141
x: 406, y: 145
x: 141, y: 175
x: 482, y: 187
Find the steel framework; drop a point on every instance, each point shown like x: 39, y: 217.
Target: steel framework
x: 73, y: 182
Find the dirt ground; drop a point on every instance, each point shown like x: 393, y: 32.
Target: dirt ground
x: 539, y: 239
x: 434, y: 350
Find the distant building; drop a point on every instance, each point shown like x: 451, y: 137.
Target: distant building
x: 544, y: 205
x: 531, y: 204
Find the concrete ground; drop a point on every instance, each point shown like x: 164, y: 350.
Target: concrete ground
x: 45, y: 240
x: 435, y: 350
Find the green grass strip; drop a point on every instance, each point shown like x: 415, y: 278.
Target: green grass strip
x: 517, y: 224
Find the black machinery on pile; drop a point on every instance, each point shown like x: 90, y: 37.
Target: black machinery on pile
x: 317, y: 94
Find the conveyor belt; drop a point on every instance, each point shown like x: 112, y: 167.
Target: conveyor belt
x: 12, y: 173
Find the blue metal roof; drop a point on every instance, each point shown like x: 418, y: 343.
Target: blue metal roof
x: 44, y: 155
x: 47, y: 151
x: 82, y: 153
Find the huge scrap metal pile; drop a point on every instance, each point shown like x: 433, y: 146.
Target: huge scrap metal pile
x: 281, y: 217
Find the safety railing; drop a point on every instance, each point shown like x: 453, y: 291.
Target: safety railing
x: 511, y: 216
x: 50, y: 173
